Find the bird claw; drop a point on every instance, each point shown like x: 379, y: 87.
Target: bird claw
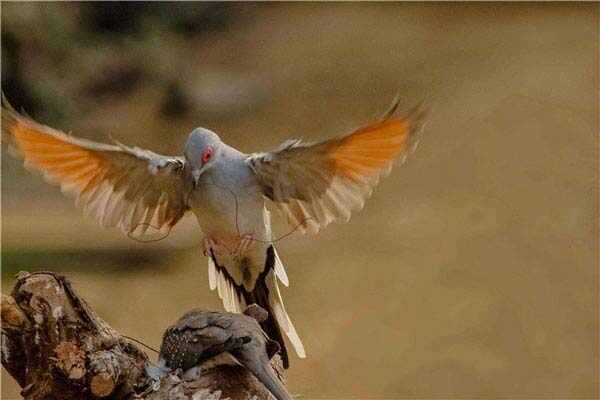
x: 192, y: 374
x: 245, y: 242
x: 156, y: 372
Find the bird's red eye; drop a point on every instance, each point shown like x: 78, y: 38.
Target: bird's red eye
x: 207, y: 154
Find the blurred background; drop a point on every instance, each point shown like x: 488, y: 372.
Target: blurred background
x: 473, y: 270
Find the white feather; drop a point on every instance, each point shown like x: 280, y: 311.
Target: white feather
x: 281, y: 316
x: 212, y: 273
x: 227, y: 293
x: 280, y: 270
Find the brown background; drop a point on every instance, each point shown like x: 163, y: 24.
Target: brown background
x: 473, y: 270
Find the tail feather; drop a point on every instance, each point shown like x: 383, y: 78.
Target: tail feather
x: 232, y: 301
x: 260, y: 295
x: 266, y: 294
x: 281, y: 316
x: 212, y: 274
x: 280, y: 269
x: 264, y: 372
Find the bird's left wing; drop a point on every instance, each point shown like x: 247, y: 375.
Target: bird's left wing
x: 214, y: 332
x: 122, y: 186
x: 314, y: 184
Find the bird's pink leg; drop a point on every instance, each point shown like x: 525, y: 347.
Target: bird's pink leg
x: 208, y: 244
x: 245, y: 242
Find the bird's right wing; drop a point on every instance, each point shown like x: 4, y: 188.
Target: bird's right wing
x: 314, y: 184
x: 122, y: 186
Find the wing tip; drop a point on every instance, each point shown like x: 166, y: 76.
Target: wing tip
x: 11, y: 117
x: 391, y: 109
x: 6, y: 104
x: 415, y: 115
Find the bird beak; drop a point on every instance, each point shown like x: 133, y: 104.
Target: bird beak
x: 196, y: 173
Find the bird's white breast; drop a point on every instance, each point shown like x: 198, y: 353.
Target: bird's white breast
x: 229, y: 205
x: 224, y: 211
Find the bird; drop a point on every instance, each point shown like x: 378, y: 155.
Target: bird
x: 202, y: 339
x: 230, y: 192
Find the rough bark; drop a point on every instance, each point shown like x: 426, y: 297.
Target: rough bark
x: 56, y: 347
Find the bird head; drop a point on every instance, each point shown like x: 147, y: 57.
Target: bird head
x: 202, y: 149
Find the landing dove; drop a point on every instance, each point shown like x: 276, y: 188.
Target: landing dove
x: 312, y: 184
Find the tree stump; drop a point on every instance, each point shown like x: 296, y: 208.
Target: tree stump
x: 56, y: 347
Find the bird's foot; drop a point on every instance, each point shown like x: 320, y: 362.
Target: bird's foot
x: 208, y: 245
x: 245, y: 242
x: 156, y: 372
x: 192, y: 374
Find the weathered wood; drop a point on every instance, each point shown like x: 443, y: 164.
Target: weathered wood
x: 56, y: 347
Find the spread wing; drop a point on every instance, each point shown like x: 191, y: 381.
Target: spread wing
x: 314, y: 184
x: 122, y: 186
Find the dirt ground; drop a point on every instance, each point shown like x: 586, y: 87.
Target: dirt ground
x: 473, y: 270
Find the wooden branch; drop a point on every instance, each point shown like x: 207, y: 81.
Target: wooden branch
x: 56, y: 347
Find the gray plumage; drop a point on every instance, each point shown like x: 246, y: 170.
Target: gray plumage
x: 200, y: 335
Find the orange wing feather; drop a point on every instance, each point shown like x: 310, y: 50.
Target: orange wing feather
x: 314, y: 184
x: 368, y: 150
x: 65, y: 162
x: 121, y: 186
